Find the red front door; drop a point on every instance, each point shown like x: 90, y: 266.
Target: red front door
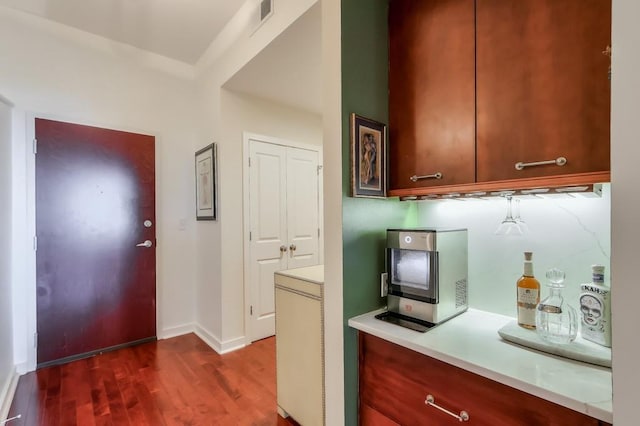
x: 95, y: 206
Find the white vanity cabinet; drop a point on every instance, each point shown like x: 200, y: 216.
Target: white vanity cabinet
x: 300, y: 344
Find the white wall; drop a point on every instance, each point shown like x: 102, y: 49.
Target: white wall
x: 65, y: 74
x: 245, y: 113
x: 625, y: 209
x: 332, y: 131
x: 242, y: 113
x: 219, y: 291
x: 570, y: 234
x: 6, y: 333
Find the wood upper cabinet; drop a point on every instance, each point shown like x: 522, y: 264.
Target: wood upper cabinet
x: 394, y: 383
x: 476, y: 86
x: 542, y: 84
x: 431, y: 92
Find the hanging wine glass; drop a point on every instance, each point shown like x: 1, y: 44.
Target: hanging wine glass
x: 509, y: 226
x: 516, y: 216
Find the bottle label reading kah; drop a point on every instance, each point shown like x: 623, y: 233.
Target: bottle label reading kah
x: 595, y: 289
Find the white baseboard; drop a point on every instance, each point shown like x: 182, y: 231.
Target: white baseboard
x: 23, y: 368
x: 180, y: 330
x: 233, y: 345
x: 217, y: 345
x: 7, y: 392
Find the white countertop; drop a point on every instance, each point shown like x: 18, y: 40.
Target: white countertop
x: 313, y: 274
x: 471, y: 341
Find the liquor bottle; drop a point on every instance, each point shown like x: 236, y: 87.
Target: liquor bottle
x: 595, y: 309
x: 528, y: 289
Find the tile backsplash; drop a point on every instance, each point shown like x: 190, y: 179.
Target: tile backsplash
x: 567, y: 233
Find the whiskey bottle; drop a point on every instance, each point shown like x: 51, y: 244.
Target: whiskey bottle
x: 528, y: 289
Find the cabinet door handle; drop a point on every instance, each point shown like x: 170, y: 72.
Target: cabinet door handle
x: 560, y: 161
x: 462, y: 417
x: 416, y: 178
x: 292, y: 247
x: 283, y: 248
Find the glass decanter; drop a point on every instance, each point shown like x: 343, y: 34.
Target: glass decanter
x: 556, y: 321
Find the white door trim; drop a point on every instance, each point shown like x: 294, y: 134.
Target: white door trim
x: 29, y: 315
x: 246, y: 219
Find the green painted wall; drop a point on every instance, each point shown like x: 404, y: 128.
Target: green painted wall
x: 364, y: 221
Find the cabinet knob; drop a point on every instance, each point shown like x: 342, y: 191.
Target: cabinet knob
x: 416, y: 178
x: 462, y: 417
x: 283, y: 248
x: 292, y: 247
x: 560, y: 161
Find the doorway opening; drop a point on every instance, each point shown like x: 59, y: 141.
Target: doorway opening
x: 282, y: 221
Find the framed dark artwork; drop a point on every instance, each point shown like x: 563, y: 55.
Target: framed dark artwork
x: 368, y: 158
x: 206, y: 185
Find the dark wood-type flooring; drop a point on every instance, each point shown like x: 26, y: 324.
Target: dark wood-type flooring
x: 178, y: 381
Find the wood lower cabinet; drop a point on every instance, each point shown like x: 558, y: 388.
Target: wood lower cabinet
x: 477, y: 86
x: 395, y: 381
x: 371, y: 417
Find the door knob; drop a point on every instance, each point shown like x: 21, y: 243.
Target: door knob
x: 146, y: 244
x: 283, y: 248
x: 292, y: 247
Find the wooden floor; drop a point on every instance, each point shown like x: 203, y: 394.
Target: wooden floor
x: 178, y: 381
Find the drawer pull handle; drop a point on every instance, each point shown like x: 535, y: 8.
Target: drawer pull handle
x: 462, y: 417
x: 416, y: 178
x: 560, y: 161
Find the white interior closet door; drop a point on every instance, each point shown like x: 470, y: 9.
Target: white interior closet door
x: 302, y: 208
x: 284, y: 222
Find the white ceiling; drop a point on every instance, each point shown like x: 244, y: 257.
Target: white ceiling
x: 178, y: 29
x: 287, y: 71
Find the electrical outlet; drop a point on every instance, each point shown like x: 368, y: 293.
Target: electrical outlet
x: 384, y: 289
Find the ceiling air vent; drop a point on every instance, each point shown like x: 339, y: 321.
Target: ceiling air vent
x: 266, y: 9
x: 261, y: 13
